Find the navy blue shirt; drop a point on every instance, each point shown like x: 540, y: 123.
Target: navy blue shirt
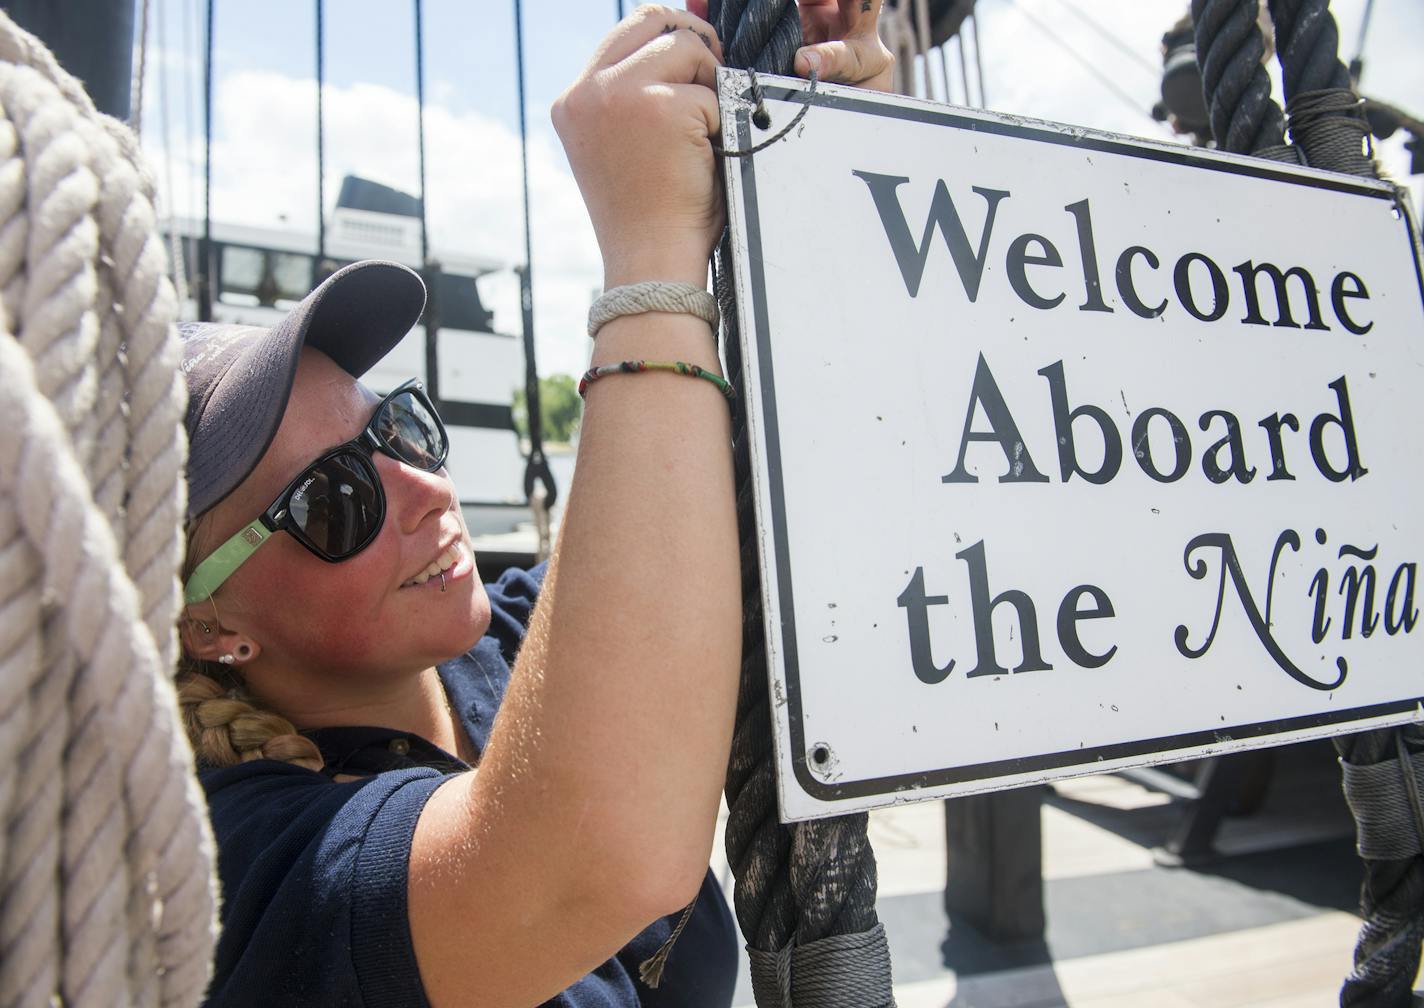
x: 314, y: 872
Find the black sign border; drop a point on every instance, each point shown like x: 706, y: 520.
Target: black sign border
x: 831, y: 791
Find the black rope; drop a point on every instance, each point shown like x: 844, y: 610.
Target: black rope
x: 205, y: 258
x: 319, y: 270
x: 1327, y: 127
x: 978, y: 59
x: 802, y: 889
x: 762, y: 35
x: 428, y: 270
x: 1245, y: 119
x: 1327, y: 118
x: 536, y: 467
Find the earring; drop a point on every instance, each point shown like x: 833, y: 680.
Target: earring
x: 244, y: 652
x: 226, y: 659
x: 204, y: 627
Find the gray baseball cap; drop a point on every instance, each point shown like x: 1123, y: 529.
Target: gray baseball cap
x: 240, y: 377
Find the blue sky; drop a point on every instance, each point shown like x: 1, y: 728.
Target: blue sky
x: 265, y: 155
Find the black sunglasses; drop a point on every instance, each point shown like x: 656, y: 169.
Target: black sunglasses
x: 336, y: 506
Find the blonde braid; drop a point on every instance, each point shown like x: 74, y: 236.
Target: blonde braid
x: 227, y: 726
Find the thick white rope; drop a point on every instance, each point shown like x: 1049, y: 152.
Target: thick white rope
x: 106, y: 890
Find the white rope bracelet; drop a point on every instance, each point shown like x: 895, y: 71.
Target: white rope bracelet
x: 649, y: 296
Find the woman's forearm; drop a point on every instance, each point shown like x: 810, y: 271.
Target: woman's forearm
x: 622, y: 702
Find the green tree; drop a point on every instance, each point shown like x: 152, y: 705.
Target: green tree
x: 559, y: 405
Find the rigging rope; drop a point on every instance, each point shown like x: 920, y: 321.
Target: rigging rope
x: 539, y: 487
x: 805, y: 892
x: 1245, y: 119
x: 1329, y: 131
x: 106, y: 892
x: 319, y: 270
x: 429, y: 271
x: 205, y: 256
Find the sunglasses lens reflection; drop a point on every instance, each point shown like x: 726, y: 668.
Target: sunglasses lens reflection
x: 412, y: 432
x: 337, y: 505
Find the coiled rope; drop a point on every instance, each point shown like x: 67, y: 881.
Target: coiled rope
x: 1328, y: 130
x: 106, y: 893
x: 805, y: 892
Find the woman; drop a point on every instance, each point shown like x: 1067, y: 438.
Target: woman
x: 383, y: 839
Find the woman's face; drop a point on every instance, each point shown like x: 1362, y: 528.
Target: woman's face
x: 361, y: 616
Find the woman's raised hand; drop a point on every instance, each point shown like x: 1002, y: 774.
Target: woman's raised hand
x: 635, y: 126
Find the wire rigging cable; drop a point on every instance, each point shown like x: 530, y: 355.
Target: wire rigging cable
x: 1112, y: 38
x: 176, y: 253
x: 539, y: 487
x: 140, y: 72
x: 318, y: 270
x: 1087, y: 64
x: 430, y: 271
x: 978, y: 58
x: 205, y: 257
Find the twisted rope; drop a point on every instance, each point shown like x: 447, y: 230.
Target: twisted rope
x: 1328, y: 129
x: 105, y: 857
x: 1327, y: 118
x: 805, y: 892
x: 1327, y: 122
x: 1245, y: 119
x: 1384, y: 796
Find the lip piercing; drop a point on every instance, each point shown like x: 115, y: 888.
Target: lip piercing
x: 442, y: 580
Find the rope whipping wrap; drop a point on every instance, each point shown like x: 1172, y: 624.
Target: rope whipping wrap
x: 1327, y: 119
x: 805, y: 892
x: 106, y: 893
x: 1245, y: 119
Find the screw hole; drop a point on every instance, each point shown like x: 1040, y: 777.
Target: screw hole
x: 820, y: 755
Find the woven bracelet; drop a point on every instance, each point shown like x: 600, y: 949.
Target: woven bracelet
x: 637, y: 366
x: 653, y: 295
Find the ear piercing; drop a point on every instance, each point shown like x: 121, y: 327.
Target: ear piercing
x: 226, y: 659
x: 203, y: 626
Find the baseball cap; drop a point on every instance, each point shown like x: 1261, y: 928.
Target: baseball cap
x: 240, y: 376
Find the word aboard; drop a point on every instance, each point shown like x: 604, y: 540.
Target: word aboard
x: 1072, y: 452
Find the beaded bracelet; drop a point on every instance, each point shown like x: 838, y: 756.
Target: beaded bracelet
x: 635, y: 366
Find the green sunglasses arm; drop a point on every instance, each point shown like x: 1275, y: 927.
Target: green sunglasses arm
x: 217, y: 568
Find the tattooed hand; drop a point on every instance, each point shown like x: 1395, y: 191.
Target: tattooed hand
x: 842, y: 41
x: 842, y: 37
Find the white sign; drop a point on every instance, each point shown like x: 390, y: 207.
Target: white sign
x: 1072, y: 451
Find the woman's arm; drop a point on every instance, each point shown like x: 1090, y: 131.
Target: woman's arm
x: 592, y: 811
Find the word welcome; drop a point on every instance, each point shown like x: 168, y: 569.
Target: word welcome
x: 1134, y: 265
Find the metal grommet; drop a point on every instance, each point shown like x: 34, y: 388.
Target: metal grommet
x: 400, y: 746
